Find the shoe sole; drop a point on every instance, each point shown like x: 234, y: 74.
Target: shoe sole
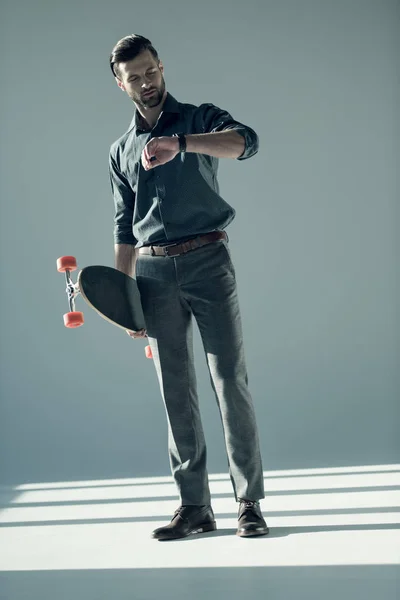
x: 200, y: 529
x: 252, y: 533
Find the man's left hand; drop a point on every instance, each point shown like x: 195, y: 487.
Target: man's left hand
x: 159, y: 151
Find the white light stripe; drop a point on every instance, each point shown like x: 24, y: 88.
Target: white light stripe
x: 322, y: 482
x: 129, y: 546
x: 279, y: 503
x: 212, y: 477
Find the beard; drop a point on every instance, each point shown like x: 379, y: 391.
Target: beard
x: 153, y: 100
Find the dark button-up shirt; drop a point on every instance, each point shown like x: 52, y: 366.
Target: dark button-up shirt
x: 178, y: 200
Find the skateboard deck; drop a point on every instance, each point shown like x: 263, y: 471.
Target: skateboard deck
x: 111, y: 293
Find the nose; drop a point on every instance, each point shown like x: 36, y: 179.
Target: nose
x: 147, y: 80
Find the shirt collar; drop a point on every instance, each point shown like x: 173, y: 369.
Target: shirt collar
x: 171, y: 105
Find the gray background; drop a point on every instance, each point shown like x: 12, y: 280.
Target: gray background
x: 315, y: 240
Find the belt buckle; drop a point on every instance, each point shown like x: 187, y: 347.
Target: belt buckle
x: 166, y: 249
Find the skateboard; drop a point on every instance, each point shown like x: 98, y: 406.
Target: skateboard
x: 111, y: 293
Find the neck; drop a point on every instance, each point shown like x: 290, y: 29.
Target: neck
x: 150, y: 115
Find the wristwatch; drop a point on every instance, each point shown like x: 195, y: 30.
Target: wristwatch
x: 182, y: 144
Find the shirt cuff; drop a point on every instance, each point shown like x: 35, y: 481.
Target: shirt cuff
x: 250, y: 140
x: 121, y: 237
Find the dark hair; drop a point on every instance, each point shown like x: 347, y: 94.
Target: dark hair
x: 128, y: 48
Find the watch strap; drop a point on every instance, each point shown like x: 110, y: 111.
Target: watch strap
x: 182, y: 143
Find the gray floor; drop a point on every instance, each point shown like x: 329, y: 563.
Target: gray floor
x: 334, y: 533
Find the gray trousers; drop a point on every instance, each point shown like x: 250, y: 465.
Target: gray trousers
x: 200, y: 283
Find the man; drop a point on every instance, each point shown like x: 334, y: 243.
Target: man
x: 169, y: 232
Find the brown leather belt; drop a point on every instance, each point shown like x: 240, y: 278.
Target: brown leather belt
x: 176, y: 249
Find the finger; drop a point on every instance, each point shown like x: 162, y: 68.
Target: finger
x: 136, y: 334
x: 149, y: 150
x: 144, y: 160
x: 154, y: 162
x: 146, y: 154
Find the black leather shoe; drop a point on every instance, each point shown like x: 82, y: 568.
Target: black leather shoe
x: 186, y: 520
x: 250, y: 519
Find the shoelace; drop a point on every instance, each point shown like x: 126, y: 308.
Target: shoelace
x: 178, y: 511
x: 249, y: 504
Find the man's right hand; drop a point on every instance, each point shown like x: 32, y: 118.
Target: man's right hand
x: 142, y: 333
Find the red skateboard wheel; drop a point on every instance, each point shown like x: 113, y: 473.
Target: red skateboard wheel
x: 65, y: 263
x: 148, y: 352
x: 73, y: 319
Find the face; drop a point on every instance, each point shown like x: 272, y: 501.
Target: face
x: 141, y: 75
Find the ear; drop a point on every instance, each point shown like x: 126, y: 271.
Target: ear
x: 161, y: 67
x: 120, y: 84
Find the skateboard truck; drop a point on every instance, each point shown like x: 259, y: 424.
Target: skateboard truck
x: 72, y: 290
x: 66, y: 264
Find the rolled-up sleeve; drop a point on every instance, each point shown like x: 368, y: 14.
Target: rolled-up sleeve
x: 124, y: 203
x: 213, y: 119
